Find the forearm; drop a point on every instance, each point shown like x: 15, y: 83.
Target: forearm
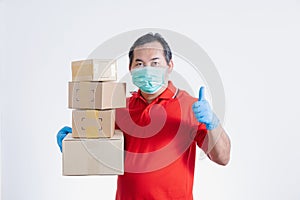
x: 217, y: 143
x: 218, y: 146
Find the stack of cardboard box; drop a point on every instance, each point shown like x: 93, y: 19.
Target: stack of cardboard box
x: 94, y: 147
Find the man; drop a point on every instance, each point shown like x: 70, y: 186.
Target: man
x: 162, y: 126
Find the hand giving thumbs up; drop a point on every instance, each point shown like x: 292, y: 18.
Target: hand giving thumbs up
x: 204, y: 113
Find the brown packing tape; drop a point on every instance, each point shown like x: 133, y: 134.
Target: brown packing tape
x: 93, y: 132
x: 92, y: 114
x: 82, y: 70
x: 93, y: 124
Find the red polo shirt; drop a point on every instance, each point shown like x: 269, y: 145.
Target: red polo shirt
x: 160, y: 146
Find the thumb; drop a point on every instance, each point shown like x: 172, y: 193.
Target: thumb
x: 201, y: 93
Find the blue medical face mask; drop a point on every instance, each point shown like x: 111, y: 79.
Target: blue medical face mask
x: 149, y: 79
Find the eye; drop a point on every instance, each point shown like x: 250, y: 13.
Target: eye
x: 139, y: 64
x: 155, y: 63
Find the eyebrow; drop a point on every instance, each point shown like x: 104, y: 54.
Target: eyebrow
x: 155, y: 58
x: 140, y: 60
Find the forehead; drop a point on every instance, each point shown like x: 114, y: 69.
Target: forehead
x: 148, y: 50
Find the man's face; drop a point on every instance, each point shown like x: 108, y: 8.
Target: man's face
x: 150, y: 54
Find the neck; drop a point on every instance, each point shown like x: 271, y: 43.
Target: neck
x: 150, y: 97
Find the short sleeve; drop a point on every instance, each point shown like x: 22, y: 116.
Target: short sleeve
x: 201, y: 135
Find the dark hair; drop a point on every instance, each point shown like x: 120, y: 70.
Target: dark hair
x: 150, y: 37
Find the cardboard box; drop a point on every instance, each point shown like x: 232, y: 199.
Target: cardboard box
x: 94, y: 70
x: 97, y: 95
x: 93, y: 123
x: 103, y: 156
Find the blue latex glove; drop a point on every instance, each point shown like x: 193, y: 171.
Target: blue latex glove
x: 203, y: 112
x: 62, y: 133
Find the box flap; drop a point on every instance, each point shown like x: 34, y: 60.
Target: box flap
x: 117, y: 136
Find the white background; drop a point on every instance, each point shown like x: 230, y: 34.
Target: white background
x: 255, y: 46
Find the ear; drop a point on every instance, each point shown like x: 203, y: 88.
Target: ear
x: 170, y: 65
